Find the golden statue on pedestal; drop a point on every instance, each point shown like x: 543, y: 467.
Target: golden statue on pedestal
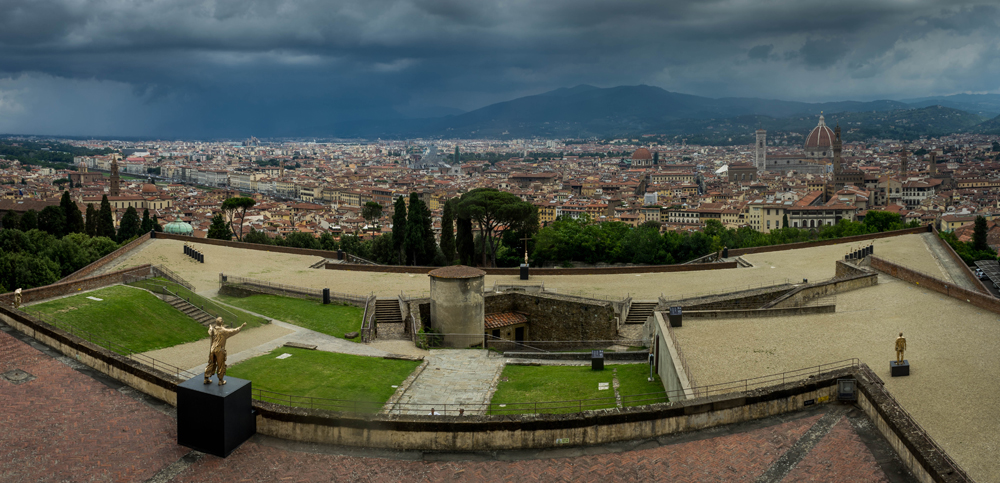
x: 217, y: 354
x: 900, y: 348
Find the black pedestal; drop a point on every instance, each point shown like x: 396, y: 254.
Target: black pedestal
x: 524, y: 271
x: 214, y: 419
x: 899, y: 369
x: 597, y: 360
x: 675, y: 317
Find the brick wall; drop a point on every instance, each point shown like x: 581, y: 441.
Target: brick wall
x: 552, y: 318
x: 89, y: 269
x: 65, y: 288
x: 735, y: 252
x: 982, y: 301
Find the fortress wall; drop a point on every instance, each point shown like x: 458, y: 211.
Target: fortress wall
x: 756, y: 313
x: 69, y: 287
x: 487, y: 433
x: 955, y: 257
x: 806, y: 293
x: 554, y: 318
x: 101, y: 262
x: 982, y: 301
x: 735, y: 252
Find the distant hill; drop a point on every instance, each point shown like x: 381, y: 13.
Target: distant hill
x: 986, y: 105
x: 991, y: 126
x: 586, y: 111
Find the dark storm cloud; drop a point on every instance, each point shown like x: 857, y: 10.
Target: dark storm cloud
x: 280, y: 65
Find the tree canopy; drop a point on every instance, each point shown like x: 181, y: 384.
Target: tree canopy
x: 234, y: 208
x: 493, y: 212
x: 219, y: 229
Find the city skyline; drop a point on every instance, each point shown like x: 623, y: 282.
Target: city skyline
x: 231, y: 69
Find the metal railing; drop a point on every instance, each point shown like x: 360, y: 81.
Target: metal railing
x: 101, y: 341
x: 369, y: 330
x: 552, y: 407
x: 272, y: 288
x: 161, y: 271
x: 680, y: 355
x: 727, y: 291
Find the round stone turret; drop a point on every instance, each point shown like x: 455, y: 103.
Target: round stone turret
x: 457, y: 305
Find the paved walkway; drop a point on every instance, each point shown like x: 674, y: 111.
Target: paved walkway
x: 453, y: 378
x: 948, y: 266
x: 259, y: 341
x: 70, y: 423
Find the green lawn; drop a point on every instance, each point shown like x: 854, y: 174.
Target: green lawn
x: 559, y: 389
x: 231, y: 317
x: 126, y: 316
x: 326, y: 375
x: 332, y: 319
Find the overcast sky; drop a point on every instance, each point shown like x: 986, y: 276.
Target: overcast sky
x: 265, y: 67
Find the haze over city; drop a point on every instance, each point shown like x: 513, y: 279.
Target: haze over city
x: 210, y: 69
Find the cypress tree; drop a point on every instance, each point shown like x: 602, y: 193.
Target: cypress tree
x: 91, y: 221
x: 414, y: 242
x: 147, y: 223
x: 74, y: 219
x: 106, y: 219
x: 464, y: 242
x: 399, y: 229
x: 130, y: 225
x: 448, y: 232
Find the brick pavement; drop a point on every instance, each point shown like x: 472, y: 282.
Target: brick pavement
x: 68, y: 426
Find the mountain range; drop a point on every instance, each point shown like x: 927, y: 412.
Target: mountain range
x: 591, y: 112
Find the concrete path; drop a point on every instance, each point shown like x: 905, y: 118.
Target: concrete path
x: 948, y: 266
x: 453, y: 379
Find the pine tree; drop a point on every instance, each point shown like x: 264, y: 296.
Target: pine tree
x: 91, y: 221
x: 156, y: 224
x: 448, y: 232
x: 399, y: 229
x: 106, y: 219
x: 130, y: 225
x: 71, y: 212
x: 219, y: 229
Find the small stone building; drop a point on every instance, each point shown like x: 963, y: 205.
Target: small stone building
x: 457, y: 305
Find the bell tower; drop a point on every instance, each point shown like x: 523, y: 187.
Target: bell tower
x: 760, y: 151
x: 115, y: 180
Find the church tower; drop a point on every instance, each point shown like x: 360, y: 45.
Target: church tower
x: 904, y: 159
x: 115, y: 180
x: 932, y: 167
x: 760, y: 151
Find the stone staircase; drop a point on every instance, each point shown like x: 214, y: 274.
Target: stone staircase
x: 389, y: 320
x: 195, y: 313
x: 639, y: 312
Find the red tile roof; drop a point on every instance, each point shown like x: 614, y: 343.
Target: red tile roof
x: 505, y: 319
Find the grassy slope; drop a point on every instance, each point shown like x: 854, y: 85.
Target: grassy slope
x: 130, y: 317
x: 326, y: 375
x: 528, y: 384
x: 232, y: 317
x: 335, y: 320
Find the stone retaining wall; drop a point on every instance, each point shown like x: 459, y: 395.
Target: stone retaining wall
x: 955, y: 257
x: 101, y: 262
x: 982, y: 301
x: 735, y: 252
x: 808, y: 292
x: 543, y: 271
x: 551, y: 318
x: 72, y: 286
x: 756, y: 313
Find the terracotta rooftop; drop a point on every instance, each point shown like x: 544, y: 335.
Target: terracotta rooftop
x: 504, y: 319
